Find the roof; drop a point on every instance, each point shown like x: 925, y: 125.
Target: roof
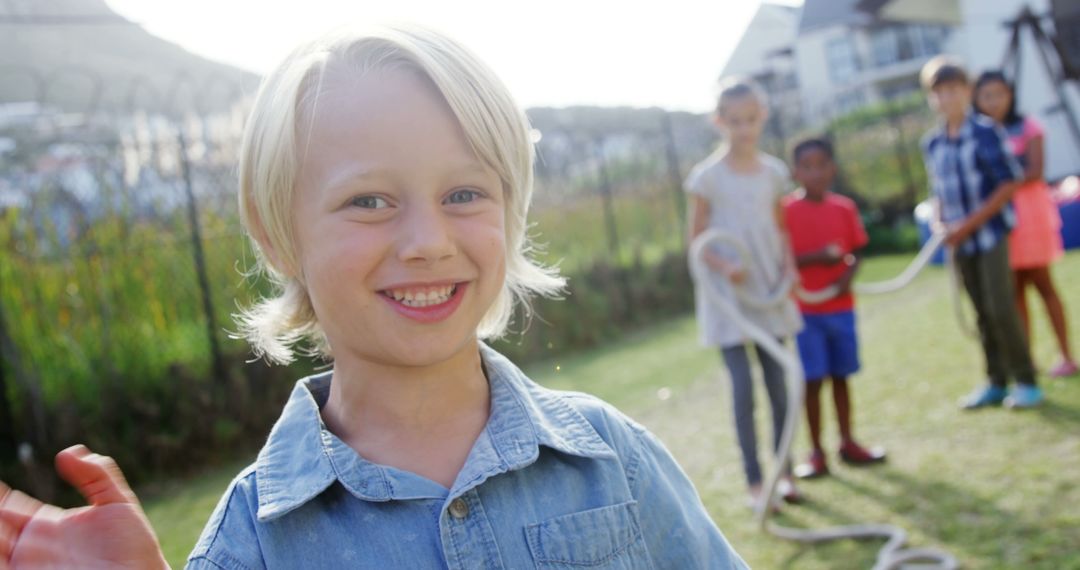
x: 824, y: 13
x: 914, y: 11
x: 870, y: 6
x: 770, y: 31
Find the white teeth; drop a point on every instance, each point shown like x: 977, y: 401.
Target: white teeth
x: 422, y: 298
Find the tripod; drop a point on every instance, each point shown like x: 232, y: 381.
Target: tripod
x: 1054, y: 59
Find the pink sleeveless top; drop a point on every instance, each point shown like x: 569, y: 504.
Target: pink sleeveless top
x: 1036, y: 239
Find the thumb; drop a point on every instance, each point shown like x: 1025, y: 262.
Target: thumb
x: 97, y: 477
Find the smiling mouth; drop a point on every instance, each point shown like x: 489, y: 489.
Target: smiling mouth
x: 420, y: 297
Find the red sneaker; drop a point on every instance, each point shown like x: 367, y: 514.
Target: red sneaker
x: 813, y: 468
x: 856, y: 454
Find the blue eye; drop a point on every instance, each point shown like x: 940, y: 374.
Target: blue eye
x: 462, y: 196
x: 368, y: 202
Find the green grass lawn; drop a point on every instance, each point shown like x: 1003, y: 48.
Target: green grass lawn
x: 999, y: 489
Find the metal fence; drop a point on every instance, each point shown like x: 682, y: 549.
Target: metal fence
x: 119, y: 244
x: 122, y: 258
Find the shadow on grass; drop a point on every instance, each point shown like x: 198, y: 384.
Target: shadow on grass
x: 842, y: 553
x: 1056, y: 413
x: 969, y: 525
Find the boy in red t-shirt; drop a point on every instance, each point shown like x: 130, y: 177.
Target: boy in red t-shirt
x: 826, y: 233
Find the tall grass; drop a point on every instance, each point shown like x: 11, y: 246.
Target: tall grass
x: 121, y: 305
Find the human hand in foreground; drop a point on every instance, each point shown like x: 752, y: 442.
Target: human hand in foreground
x: 843, y: 283
x: 831, y: 254
x: 113, y: 532
x: 736, y: 275
x: 956, y: 233
x: 733, y: 272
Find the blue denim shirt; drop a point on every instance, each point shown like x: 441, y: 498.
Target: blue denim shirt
x: 555, y: 480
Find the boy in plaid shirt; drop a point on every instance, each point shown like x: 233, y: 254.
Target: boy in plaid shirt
x: 972, y: 178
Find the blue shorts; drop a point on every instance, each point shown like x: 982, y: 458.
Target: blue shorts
x: 828, y: 345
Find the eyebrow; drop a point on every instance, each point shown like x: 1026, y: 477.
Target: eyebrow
x: 472, y: 167
x: 352, y: 175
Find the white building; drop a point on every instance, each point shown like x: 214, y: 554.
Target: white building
x: 764, y: 53
x: 982, y: 41
x: 848, y: 58
x: 771, y: 32
x: 827, y: 58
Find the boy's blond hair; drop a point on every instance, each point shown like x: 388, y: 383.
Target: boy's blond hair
x: 942, y: 69
x: 496, y: 129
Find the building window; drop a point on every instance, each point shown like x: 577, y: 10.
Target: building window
x: 895, y: 44
x: 926, y: 40
x: 840, y: 55
x: 848, y: 101
x: 886, y: 46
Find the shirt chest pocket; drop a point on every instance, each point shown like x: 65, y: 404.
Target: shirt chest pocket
x: 606, y: 538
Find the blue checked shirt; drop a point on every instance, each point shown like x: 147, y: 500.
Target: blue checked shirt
x: 556, y: 480
x: 964, y: 172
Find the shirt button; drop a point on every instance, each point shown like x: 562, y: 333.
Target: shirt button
x: 459, y: 509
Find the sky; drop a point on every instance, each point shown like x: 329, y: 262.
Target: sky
x: 550, y: 53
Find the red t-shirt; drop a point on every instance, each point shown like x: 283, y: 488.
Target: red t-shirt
x: 813, y: 226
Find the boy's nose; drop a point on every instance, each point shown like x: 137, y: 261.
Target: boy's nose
x: 425, y: 236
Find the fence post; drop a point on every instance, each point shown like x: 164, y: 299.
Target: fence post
x: 612, y: 233
x: 200, y: 263
x: 8, y: 442
x: 608, y: 199
x: 675, y: 174
x: 35, y: 433
x: 777, y: 130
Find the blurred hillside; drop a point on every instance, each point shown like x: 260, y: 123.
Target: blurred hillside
x: 79, y: 54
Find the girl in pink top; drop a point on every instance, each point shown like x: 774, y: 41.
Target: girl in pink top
x: 1035, y: 242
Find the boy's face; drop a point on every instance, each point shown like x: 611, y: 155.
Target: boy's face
x: 399, y: 226
x: 742, y: 119
x: 815, y: 171
x: 951, y: 99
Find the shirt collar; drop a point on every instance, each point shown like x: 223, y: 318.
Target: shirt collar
x: 301, y: 458
x: 965, y: 128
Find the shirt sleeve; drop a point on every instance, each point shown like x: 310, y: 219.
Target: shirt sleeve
x: 858, y: 236
x: 678, y: 531
x: 927, y: 146
x: 782, y: 184
x: 695, y: 182
x: 229, y: 541
x: 995, y: 157
x: 1032, y: 128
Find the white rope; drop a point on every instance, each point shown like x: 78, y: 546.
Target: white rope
x: 782, y: 290
x: 913, y: 269
x: 893, y: 554
x: 877, y: 288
